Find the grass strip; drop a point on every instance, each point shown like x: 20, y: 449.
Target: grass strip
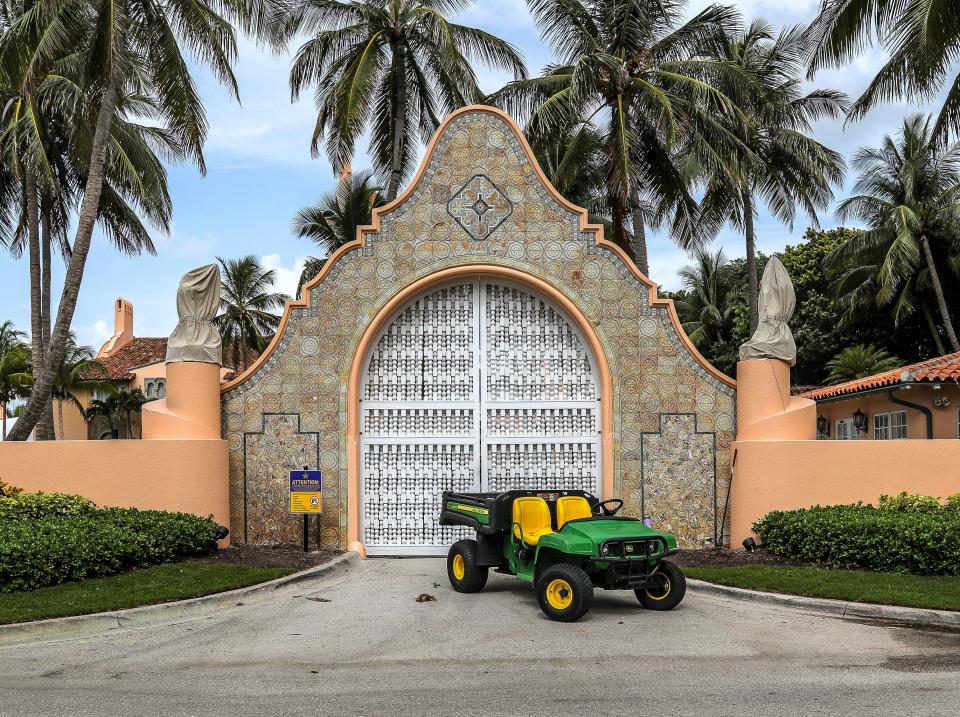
x: 144, y: 586
x: 926, y: 591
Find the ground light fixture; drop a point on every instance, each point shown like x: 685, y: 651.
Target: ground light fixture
x: 823, y: 426
x: 749, y: 545
x: 860, y: 421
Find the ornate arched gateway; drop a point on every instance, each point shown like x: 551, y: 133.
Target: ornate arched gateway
x: 479, y: 335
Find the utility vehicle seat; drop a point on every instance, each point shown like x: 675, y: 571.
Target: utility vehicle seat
x: 572, y: 507
x: 531, y: 519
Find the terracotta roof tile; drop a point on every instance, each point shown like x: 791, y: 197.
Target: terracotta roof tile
x: 138, y: 352
x: 144, y: 351
x: 941, y: 368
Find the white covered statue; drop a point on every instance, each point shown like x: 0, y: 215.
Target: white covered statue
x: 196, y: 338
x: 773, y: 338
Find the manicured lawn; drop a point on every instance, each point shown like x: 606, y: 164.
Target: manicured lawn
x: 145, y: 586
x: 942, y: 593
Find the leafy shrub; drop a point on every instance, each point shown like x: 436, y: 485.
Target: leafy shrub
x: 953, y: 503
x: 52, y: 538
x: 7, y: 490
x: 906, y: 503
x: 861, y: 536
x: 35, y: 506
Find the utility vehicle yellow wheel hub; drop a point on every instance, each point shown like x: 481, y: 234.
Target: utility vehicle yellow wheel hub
x: 662, y: 590
x: 559, y: 594
x: 459, y: 568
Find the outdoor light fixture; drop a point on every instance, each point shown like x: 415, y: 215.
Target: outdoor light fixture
x: 823, y: 426
x: 860, y: 421
x: 750, y: 545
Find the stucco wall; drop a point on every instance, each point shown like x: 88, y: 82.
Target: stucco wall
x: 783, y: 475
x: 187, y: 476
x: 672, y: 414
x: 944, y: 419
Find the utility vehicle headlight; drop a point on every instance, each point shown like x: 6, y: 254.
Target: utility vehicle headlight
x: 605, y: 549
x: 651, y: 547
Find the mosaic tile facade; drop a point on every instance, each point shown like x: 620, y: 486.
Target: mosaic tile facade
x: 673, y: 420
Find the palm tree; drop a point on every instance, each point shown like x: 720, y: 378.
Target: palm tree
x: 781, y: 165
x: 706, y: 307
x: 922, y: 38
x: 390, y: 68
x: 118, y: 408
x: 633, y: 63
x: 15, y: 377
x: 908, y: 195
x: 247, y: 307
x: 46, y: 141
x: 333, y: 221
x: 121, y: 47
x: 859, y: 361
x: 78, y: 372
x: 574, y: 161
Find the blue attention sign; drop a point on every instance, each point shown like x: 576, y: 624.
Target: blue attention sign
x: 306, y: 491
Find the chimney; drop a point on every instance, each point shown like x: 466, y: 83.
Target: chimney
x: 122, y: 328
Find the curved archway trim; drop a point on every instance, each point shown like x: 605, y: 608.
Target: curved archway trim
x: 585, y: 225
x: 411, y: 291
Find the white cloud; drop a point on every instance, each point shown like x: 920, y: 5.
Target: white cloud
x: 93, y: 335
x: 179, y: 244
x: 285, y: 278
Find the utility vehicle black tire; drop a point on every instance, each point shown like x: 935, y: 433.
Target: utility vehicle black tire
x: 668, y: 588
x: 565, y: 592
x: 462, y: 569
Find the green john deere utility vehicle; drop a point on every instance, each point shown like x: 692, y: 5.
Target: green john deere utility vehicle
x: 564, y: 543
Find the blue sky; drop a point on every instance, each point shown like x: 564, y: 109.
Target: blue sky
x: 260, y: 173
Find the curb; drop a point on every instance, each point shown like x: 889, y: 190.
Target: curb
x: 892, y: 614
x: 80, y: 625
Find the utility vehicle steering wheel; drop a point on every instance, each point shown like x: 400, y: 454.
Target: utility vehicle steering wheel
x: 608, y: 512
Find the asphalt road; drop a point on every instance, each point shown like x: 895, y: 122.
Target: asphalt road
x: 359, y: 644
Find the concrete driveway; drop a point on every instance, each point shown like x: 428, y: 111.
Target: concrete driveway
x: 359, y: 644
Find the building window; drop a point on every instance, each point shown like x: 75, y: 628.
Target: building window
x: 155, y: 387
x: 890, y: 426
x: 846, y: 431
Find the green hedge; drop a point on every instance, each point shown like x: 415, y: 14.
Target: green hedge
x: 905, y: 537
x: 34, y: 506
x: 59, y: 538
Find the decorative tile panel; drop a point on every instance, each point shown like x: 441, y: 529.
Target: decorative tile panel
x: 479, y: 207
x: 682, y: 472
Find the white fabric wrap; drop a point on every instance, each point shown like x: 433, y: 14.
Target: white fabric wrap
x: 196, y: 338
x: 773, y: 339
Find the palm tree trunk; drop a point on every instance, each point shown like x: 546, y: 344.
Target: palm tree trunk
x: 938, y: 292
x: 87, y: 217
x: 3, y: 407
x: 60, y: 418
x: 751, y: 241
x: 46, y: 421
x: 638, y: 245
x: 36, y: 283
x: 399, y: 101
x: 931, y: 324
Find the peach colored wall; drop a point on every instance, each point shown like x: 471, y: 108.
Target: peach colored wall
x: 158, y: 370
x: 778, y: 465
x: 766, y: 410
x: 192, y: 406
x: 783, y: 475
x: 181, y: 475
x: 944, y: 419
x: 74, y: 422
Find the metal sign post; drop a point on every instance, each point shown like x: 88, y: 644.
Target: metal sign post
x: 306, y: 498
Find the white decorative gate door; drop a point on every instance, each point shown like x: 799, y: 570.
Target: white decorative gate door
x: 474, y: 386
